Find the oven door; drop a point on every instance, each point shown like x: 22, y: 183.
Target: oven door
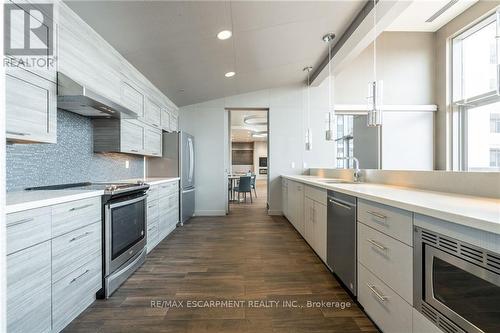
x: 468, y: 294
x: 125, y: 230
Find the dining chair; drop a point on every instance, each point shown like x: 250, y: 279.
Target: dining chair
x: 252, y: 183
x: 244, y: 186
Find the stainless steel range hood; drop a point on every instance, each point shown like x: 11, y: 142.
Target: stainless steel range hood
x: 74, y: 97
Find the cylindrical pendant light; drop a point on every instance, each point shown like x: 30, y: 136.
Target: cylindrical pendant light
x: 330, y: 130
x: 308, y: 133
x: 375, y: 88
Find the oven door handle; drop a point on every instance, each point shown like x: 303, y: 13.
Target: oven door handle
x: 128, y: 202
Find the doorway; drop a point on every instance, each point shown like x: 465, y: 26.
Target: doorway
x: 248, y: 156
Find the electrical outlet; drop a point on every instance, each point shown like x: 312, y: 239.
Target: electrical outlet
x: 293, y: 165
x: 127, y: 164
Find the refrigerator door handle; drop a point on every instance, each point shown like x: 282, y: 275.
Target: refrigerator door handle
x: 191, y: 160
x: 187, y: 191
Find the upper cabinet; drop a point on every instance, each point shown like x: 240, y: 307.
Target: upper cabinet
x: 85, y: 57
x: 30, y: 104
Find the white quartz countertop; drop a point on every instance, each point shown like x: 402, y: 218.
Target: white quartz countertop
x: 476, y: 212
x: 23, y: 200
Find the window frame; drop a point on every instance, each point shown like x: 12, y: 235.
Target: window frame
x: 460, y: 108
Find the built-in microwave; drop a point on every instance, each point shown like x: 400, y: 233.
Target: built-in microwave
x: 456, y: 284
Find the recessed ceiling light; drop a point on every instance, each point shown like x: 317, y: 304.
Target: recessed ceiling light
x: 229, y: 74
x: 224, y: 34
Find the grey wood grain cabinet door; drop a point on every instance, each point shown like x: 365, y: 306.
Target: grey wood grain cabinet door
x: 153, y: 113
x: 31, y: 108
x: 132, y: 137
x: 153, y: 141
x: 29, y: 290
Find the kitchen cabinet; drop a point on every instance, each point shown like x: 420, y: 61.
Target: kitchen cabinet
x: 165, y: 120
x: 296, y: 205
x: 174, y: 122
x: 152, y: 113
x: 284, y: 197
x: 132, y: 98
x: 29, y: 290
x: 86, y: 57
x: 54, y: 264
x: 315, y: 225
x: 31, y: 108
x: 126, y: 136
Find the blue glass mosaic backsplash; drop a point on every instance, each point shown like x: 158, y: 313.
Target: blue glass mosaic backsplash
x: 70, y: 160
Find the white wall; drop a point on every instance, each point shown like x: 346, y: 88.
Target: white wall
x: 405, y: 62
x: 287, y: 155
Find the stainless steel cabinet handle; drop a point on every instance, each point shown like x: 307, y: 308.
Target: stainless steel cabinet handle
x: 376, y: 244
x: 79, y: 276
x: 339, y: 204
x: 380, y: 216
x: 80, y: 207
x: 18, y: 133
x: 377, y: 293
x: 20, y: 222
x: 134, y: 150
x: 81, y: 236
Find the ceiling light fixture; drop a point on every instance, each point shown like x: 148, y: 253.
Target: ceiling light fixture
x: 329, y: 133
x: 224, y: 34
x: 230, y: 74
x: 308, y: 139
x: 255, y: 120
x: 374, y: 118
x: 260, y: 134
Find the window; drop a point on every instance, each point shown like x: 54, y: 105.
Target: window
x: 495, y: 158
x: 494, y: 122
x: 344, y: 141
x: 476, y: 98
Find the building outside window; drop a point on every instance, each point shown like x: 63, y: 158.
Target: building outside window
x: 495, y: 158
x: 476, y: 98
x: 344, y: 140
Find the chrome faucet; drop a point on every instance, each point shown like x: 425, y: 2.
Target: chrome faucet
x: 357, y: 171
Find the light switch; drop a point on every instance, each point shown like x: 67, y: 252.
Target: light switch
x: 127, y: 164
x: 293, y: 165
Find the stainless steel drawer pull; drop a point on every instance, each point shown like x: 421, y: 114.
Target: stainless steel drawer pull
x: 79, y: 276
x: 335, y: 202
x: 20, y: 222
x: 18, y: 133
x: 376, y: 244
x: 80, y: 207
x: 81, y: 236
x: 380, y: 216
x: 134, y: 150
x: 377, y: 293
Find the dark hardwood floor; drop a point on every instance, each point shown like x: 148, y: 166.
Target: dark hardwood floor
x: 244, y: 257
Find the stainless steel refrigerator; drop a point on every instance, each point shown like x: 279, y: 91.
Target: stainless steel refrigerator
x: 177, y: 161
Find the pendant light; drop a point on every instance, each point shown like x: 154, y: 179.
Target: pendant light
x: 330, y: 133
x: 308, y: 133
x: 375, y: 87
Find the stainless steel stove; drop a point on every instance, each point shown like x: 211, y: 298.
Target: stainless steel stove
x: 124, y: 228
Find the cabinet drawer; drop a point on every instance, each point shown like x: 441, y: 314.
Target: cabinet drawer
x: 30, y: 105
x: 28, y: 228
x: 75, y: 292
x: 152, y: 210
x: 316, y: 194
x: 168, y: 188
x: 389, y: 311
x: 75, y: 214
x: 169, y: 203
x: 28, y: 290
x: 74, y: 249
x: 391, y: 221
x: 389, y: 259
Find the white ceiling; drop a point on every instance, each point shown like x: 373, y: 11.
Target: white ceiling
x: 414, y: 17
x: 174, y: 44
x: 241, y: 132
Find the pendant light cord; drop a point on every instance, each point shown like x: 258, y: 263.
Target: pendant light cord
x: 374, y: 40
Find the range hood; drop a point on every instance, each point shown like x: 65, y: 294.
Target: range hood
x: 76, y: 98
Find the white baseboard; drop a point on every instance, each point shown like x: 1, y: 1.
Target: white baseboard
x: 210, y: 213
x: 274, y: 212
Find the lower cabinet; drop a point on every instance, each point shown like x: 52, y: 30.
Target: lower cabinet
x: 163, y: 212
x: 53, y: 276
x: 296, y: 206
x: 29, y: 290
x: 315, y: 226
x: 384, y: 306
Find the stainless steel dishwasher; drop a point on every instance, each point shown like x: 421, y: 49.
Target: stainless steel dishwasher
x: 341, y: 238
